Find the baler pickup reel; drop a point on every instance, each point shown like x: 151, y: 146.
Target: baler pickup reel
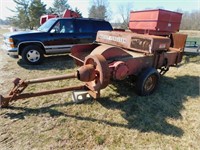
x: 94, y: 73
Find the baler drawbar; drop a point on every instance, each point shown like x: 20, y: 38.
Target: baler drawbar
x: 94, y: 74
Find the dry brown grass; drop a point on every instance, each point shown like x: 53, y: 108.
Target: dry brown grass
x: 3, y: 29
x: 191, y: 33
x: 168, y: 119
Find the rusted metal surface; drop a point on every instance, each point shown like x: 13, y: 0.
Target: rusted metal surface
x: 49, y: 79
x: 110, y: 53
x: 178, y: 44
x: 86, y: 73
x: 133, y: 41
x: 120, y: 70
x: 102, y: 72
x: 133, y: 61
x: 174, y: 54
x: 94, y: 94
x: 178, y: 41
x: 79, y: 52
x: 4, y: 101
x: 95, y: 73
x: 21, y: 85
x: 156, y: 22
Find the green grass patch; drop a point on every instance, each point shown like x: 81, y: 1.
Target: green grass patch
x: 100, y: 139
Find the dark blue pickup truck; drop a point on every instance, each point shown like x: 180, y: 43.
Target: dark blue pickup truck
x: 55, y: 36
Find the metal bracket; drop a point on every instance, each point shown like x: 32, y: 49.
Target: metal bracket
x: 163, y: 70
x: 80, y: 96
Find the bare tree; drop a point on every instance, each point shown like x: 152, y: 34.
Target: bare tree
x: 190, y: 20
x: 99, y: 9
x: 124, y: 11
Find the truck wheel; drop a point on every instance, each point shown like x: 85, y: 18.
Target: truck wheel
x: 147, y: 81
x: 32, y: 55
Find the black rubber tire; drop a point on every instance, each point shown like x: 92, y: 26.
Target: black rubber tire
x: 38, y: 55
x: 147, y: 82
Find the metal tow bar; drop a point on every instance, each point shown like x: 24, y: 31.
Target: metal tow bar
x: 94, y: 73
x: 21, y: 85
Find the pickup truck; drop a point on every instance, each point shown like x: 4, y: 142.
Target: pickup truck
x: 55, y: 36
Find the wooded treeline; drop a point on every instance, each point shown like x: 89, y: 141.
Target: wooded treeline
x: 190, y: 20
x: 28, y: 12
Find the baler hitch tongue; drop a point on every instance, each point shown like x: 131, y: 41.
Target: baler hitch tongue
x: 3, y: 102
x: 94, y: 73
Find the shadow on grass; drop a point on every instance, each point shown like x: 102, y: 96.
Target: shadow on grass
x: 151, y: 113
x: 145, y: 114
x: 59, y: 62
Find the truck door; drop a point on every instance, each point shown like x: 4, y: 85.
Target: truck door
x: 84, y: 31
x: 62, y: 37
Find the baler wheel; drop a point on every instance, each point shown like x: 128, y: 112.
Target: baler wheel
x: 147, y: 81
x: 102, y: 72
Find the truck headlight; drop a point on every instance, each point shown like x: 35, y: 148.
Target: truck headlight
x: 11, y: 42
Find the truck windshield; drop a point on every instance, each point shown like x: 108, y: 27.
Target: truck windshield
x: 47, y: 25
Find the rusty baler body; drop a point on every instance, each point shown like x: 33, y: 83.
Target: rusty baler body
x: 129, y: 53
x: 115, y: 55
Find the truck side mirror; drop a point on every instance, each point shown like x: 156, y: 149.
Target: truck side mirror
x: 53, y: 31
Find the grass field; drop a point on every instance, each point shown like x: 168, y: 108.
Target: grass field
x: 3, y: 29
x: 192, y: 35
x: 168, y: 119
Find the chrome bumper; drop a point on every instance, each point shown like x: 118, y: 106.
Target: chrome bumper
x: 12, y: 52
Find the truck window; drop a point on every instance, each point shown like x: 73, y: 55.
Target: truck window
x: 47, y: 25
x: 84, y: 26
x: 63, y: 26
x: 102, y: 25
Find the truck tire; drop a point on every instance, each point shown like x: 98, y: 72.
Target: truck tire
x: 147, y: 82
x: 32, y: 54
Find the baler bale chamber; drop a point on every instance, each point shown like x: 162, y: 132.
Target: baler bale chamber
x: 146, y: 51
x: 130, y: 54
x: 116, y: 55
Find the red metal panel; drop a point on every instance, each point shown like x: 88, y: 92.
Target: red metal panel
x: 70, y: 13
x: 144, y: 15
x: 155, y: 20
x: 133, y: 41
x: 155, y: 26
x: 44, y: 18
